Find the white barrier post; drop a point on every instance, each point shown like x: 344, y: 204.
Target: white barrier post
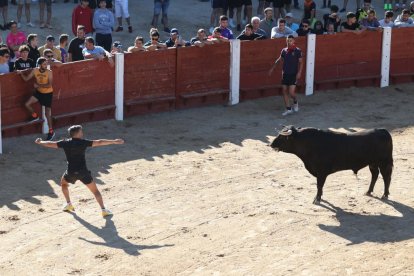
x: 1, y: 142
x: 234, y: 71
x: 119, y: 86
x: 45, y: 128
x: 386, y: 57
x: 310, y: 64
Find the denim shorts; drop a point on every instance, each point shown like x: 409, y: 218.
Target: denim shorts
x: 158, y: 6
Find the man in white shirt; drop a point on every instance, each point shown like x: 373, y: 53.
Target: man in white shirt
x: 282, y: 31
x: 388, y: 20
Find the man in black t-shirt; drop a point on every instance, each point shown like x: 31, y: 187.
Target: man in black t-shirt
x: 75, y: 148
x: 76, y: 45
x: 351, y: 25
x: 32, y: 42
x: 248, y: 34
x: 24, y: 62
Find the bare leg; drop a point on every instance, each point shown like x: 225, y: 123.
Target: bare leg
x: 286, y: 96
x: 19, y: 12
x: 65, y: 189
x: 292, y: 92
x: 28, y: 104
x: 48, y: 112
x: 5, y: 13
x: 49, y: 14
x: 27, y: 12
x: 92, y: 187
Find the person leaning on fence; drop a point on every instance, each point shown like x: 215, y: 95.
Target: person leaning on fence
x: 96, y: 52
x: 256, y: 27
x: 268, y: 23
x: 4, y: 60
x: 282, y: 31
x: 138, y: 45
x: 330, y: 29
x: 50, y: 41
x: 248, y: 34
x: 388, y: 20
x: 371, y: 22
x: 76, y: 45
x: 291, y: 73
x: 304, y: 28
x: 50, y: 60
x: 24, y: 62
x: 216, y: 36
x: 154, y: 43
x: 201, y: 39
x: 404, y: 20
x: 351, y: 25
x: 43, y: 92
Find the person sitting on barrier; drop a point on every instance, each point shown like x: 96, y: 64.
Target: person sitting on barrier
x: 96, y: 52
x: 50, y: 40
x: 4, y: 60
x: 388, y: 20
x: 282, y: 31
x: 201, y: 39
x: 351, y: 25
x: 333, y: 18
x: 404, y: 20
x: 249, y: 34
x: 24, y: 62
x: 371, y: 22
x: 138, y: 45
x: 304, y: 28
x: 330, y: 29
x: 216, y: 37
x: 155, y: 43
x: 43, y: 92
x: 32, y: 42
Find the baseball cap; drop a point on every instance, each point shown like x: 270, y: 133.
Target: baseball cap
x: 174, y: 31
x: 289, y: 14
x: 117, y: 44
x: 50, y: 38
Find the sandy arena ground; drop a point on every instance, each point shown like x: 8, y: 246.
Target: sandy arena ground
x: 199, y: 192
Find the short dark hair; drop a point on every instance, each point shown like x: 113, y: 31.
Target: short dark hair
x: 63, y: 38
x: 250, y: 26
x: 224, y: 18
x: 73, y: 130
x: 41, y: 60
x: 139, y: 38
x: 290, y: 36
x: 305, y: 21
x: 24, y: 48
x: 154, y: 32
x: 350, y: 15
x: 405, y: 11
x: 334, y: 8
x: 80, y: 27
x: 389, y: 14
x: 46, y: 51
x: 90, y: 40
x: 281, y: 20
x: 31, y: 37
x: 371, y: 11
x: 4, y: 51
x: 217, y: 29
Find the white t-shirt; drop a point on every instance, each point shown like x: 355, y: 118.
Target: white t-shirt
x: 383, y: 24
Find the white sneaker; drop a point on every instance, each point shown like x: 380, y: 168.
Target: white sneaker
x: 211, y: 30
x: 296, y: 107
x: 106, y: 213
x: 287, y: 112
x: 68, y: 208
x: 231, y: 23
x: 30, y: 24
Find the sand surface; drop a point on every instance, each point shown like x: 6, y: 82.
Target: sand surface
x: 199, y: 192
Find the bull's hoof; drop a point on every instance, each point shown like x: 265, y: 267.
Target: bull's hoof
x: 317, y: 201
x: 384, y: 197
x: 368, y: 193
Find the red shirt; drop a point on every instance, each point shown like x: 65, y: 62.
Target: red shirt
x: 82, y: 16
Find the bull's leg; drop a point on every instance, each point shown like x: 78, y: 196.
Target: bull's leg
x: 386, y: 172
x: 320, y: 182
x: 374, y: 172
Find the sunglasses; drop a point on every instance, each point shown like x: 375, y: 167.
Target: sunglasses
x: 154, y: 38
x: 305, y: 26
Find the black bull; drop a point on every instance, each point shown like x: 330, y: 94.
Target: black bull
x: 324, y: 152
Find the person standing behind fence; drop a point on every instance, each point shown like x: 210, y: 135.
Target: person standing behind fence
x: 82, y: 15
x: 63, y: 43
x: 32, y: 42
x: 161, y: 5
x: 48, y: 4
x: 76, y: 45
x: 103, y: 23
x: 24, y: 62
x: 43, y: 92
x: 121, y: 10
x: 26, y: 10
x: 291, y: 73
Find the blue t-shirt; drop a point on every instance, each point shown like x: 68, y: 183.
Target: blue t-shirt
x: 96, y: 52
x: 291, y: 60
x: 64, y: 55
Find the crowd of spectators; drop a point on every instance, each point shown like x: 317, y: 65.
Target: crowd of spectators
x: 94, y: 21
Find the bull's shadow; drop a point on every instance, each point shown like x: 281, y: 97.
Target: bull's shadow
x: 109, y: 234
x: 359, y: 228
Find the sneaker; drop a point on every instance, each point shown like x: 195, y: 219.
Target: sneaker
x: 68, y: 208
x: 211, y: 30
x: 287, y: 112
x: 130, y: 29
x: 119, y: 29
x: 30, y: 24
x: 231, y: 23
x: 106, y: 213
x: 50, y: 136
x: 296, y: 107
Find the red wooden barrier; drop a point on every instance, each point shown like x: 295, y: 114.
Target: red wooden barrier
x: 150, y: 80
x: 346, y: 59
x: 256, y: 58
x: 203, y: 75
x: 402, y: 55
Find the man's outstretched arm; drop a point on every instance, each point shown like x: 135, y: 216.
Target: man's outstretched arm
x: 47, y: 144
x: 105, y: 142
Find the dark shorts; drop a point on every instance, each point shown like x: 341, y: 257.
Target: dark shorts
x: 85, y: 177
x: 247, y: 2
x: 4, y: 3
x: 289, y: 79
x: 158, y: 7
x: 45, y: 99
x: 239, y: 3
x: 276, y: 3
x: 218, y: 4
x: 47, y: 2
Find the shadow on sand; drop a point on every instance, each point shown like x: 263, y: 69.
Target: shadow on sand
x: 111, y: 238
x: 360, y: 228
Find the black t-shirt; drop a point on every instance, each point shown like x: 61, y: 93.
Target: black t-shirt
x: 33, y: 53
x: 20, y: 64
x: 75, y: 153
x: 253, y: 36
x: 330, y: 20
x: 352, y: 27
x: 302, y: 32
x: 76, y: 46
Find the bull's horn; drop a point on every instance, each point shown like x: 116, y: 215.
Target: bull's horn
x: 286, y: 133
